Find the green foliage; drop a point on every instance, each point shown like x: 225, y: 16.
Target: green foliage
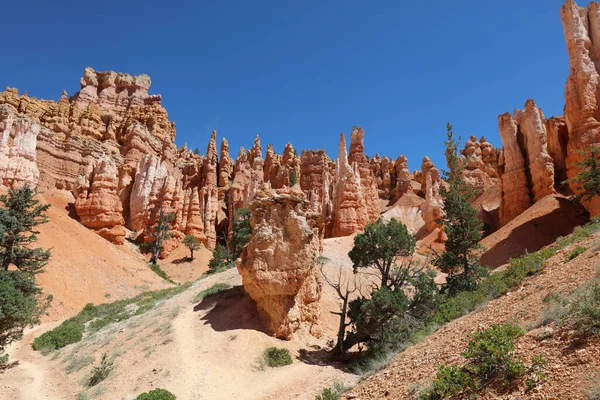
x: 587, y: 179
x: 100, y: 372
x: 490, y: 357
x: 191, y: 243
x: 224, y: 257
x: 577, y: 251
x: 21, y: 305
x: 21, y: 300
x: 449, y: 381
x: 197, y: 151
x: 240, y: 232
x: 461, y: 225
x: 157, y: 394
x: 220, y: 260
x: 73, y: 329
x: 211, y: 291
x: 490, y: 351
x: 293, y: 178
x: 331, y: 393
x: 379, y: 246
x: 275, y: 357
x: 158, y: 271
x: 18, y: 218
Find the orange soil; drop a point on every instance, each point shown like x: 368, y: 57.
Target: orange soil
x: 540, y: 225
x: 84, y: 267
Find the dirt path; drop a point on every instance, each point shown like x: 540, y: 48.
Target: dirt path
x: 27, y: 380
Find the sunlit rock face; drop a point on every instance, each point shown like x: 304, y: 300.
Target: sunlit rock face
x: 279, y: 265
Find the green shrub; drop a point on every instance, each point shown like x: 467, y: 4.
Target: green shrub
x: 157, y: 394
x: 490, y: 357
x: 72, y: 330
x: 490, y: 351
x: 449, y: 381
x: 275, y: 357
x: 577, y: 251
x: 100, y: 372
x: 328, y: 394
x: 211, y: 291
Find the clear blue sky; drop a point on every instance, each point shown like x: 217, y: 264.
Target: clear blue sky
x: 304, y: 71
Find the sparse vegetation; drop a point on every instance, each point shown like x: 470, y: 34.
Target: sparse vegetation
x: 73, y: 329
x: 490, y: 356
x: 21, y: 299
x: 275, y: 357
x: 78, y: 363
x: 577, y: 251
x: 157, y: 394
x: 158, y: 271
x: 331, y: 393
x: 211, y: 291
x: 221, y: 260
x: 100, y: 372
x: 191, y: 243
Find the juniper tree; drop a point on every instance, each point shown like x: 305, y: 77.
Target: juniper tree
x: 191, y: 243
x: 240, y: 232
x: 463, y: 230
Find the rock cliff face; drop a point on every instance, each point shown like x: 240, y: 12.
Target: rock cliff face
x: 526, y: 165
x: 279, y: 265
x: 582, y: 33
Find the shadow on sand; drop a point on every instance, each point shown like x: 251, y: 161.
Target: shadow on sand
x: 231, y: 309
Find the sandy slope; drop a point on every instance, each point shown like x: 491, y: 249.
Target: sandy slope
x: 540, y: 225
x: 197, y: 350
x: 568, y: 370
x: 84, y: 267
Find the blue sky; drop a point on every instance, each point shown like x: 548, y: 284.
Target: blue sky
x: 304, y: 71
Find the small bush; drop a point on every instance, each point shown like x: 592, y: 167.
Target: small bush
x: 157, y: 394
x: 489, y: 355
x: 577, y: 251
x: 331, y: 393
x: 70, y: 331
x: 583, y: 311
x: 211, y: 291
x: 275, y: 357
x: 100, y: 372
x: 593, y: 390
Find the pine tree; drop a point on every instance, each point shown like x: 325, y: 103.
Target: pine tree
x: 18, y: 220
x: 21, y: 302
x: 462, y: 228
x: 588, y: 178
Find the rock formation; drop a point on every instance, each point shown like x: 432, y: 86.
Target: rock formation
x: 515, y: 195
x: 97, y: 202
x: 582, y: 32
x: 350, y: 212
x: 279, y: 265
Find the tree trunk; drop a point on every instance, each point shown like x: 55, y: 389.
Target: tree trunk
x: 192, y: 254
x: 339, y: 347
